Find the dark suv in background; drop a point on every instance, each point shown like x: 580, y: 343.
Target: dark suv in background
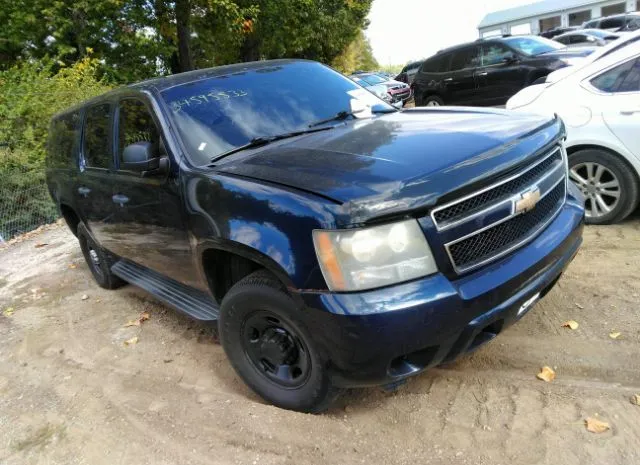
x: 489, y: 71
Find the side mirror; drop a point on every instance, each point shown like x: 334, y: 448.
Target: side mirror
x: 143, y: 157
x: 510, y: 59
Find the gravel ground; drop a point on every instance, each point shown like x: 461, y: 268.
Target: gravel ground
x: 72, y: 392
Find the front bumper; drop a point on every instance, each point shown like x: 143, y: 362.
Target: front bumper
x: 382, y: 336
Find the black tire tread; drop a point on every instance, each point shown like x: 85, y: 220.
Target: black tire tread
x: 108, y: 279
x: 629, y: 181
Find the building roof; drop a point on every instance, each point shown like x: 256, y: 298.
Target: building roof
x: 533, y: 9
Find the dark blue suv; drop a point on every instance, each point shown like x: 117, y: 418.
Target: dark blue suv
x: 335, y: 240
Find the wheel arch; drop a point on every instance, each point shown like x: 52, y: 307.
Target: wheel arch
x: 224, y: 263
x: 634, y: 165
x: 70, y: 216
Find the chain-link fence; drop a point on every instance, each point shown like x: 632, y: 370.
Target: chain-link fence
x: 25, y: 203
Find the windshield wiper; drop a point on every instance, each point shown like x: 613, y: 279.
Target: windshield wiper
x: 342, y: 115
x: 260, y: 141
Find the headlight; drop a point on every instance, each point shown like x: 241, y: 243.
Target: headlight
x: 572, y: 61
x: 365, y: 258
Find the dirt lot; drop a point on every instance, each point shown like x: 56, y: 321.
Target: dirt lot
x: 71, y: 391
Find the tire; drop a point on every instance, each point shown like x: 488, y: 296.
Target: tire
x: 608, y: 183
x: 262, y: 337
x: 432, y: 101
x: 98, y: 260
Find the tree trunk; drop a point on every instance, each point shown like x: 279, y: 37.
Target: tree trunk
x: 183, y: 23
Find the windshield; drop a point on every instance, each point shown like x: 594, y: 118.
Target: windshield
x: 602, y: 34
x: 217, y: 114
x: 373, y: 79
x: 533, y: 45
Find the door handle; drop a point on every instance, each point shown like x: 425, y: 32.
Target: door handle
x: 484, y: 73
x: 120, y: 199
x: 84, y: 191
x: 448, y: 80
x: 630, y: 111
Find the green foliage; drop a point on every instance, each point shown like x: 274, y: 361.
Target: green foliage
x: 393, y: 69
x: 356, y: 56
x: 30, y: 94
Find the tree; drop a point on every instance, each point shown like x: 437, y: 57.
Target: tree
x: 357, y: 55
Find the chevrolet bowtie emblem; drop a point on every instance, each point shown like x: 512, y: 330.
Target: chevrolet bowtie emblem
x: 528, y: 201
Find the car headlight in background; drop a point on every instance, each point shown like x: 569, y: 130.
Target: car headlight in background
x: 366, y: 258
x: 572, y: 61
x: 526, y: 96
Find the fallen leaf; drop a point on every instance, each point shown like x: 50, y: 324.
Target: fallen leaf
x: 614, y: 335
x: 133, y: 340
x: 596, y: 426
x: 579, y: 306
x: 40, y: 244
x: 570, y: 324
x: 8, y: 311
x: 72, y: 266
x: 144, y: 316
x: 635, y: 399
x: 97, y: 300
x: 546, y: 374
x: 84, y: 297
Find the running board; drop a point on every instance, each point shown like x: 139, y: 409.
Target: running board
x: 197, y: 304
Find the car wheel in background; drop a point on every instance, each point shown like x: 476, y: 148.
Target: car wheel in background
x: 608, y: 184
x: 270, y: 348
x: 432, y: 101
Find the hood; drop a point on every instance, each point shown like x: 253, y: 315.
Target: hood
x: 568, y: 52
x: 398, y: 161
x: 393, y: 84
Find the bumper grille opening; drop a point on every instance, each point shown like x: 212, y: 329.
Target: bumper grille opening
x: 501, y: 238
x: 413, y: 362
x: 487, y: 333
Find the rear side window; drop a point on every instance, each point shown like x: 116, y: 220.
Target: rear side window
x: 98, y: 150
x: 622, y: 78
x: 465, y: 58
x: 563, y: 40
x: 135, y: 124
x: 610, y: 23
x: 437, y: 64
x: 64, y: 135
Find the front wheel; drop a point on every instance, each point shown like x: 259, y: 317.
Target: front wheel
x: 608, y: 184
x: 270, y: 348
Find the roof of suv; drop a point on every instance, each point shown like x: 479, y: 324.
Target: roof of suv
x: 166, y: 82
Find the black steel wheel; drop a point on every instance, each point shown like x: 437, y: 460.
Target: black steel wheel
x: 270, y: 347
x: 275, y: 349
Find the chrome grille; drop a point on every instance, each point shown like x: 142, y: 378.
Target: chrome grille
x: 462, y: 208
x: 488, y: 224
x: 499, y: 239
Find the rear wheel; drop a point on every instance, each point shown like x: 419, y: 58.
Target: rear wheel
x: 432, y: 101
x: 98, y: 261
x: 608, y: 184
x: 270, y: 348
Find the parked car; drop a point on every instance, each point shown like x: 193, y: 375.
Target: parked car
x: 323, y: 230
x: 616, y: 23
x: 398, y: 91
x: 587, y: 37
x: 556, y: 31
x: 408, y: 73
x: 489, y: 71
x: 600, y: 104
x: 379, y: 90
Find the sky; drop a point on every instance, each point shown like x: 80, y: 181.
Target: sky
x: 404, y: 30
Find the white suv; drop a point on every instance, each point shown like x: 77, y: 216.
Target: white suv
x: 599, y: 102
